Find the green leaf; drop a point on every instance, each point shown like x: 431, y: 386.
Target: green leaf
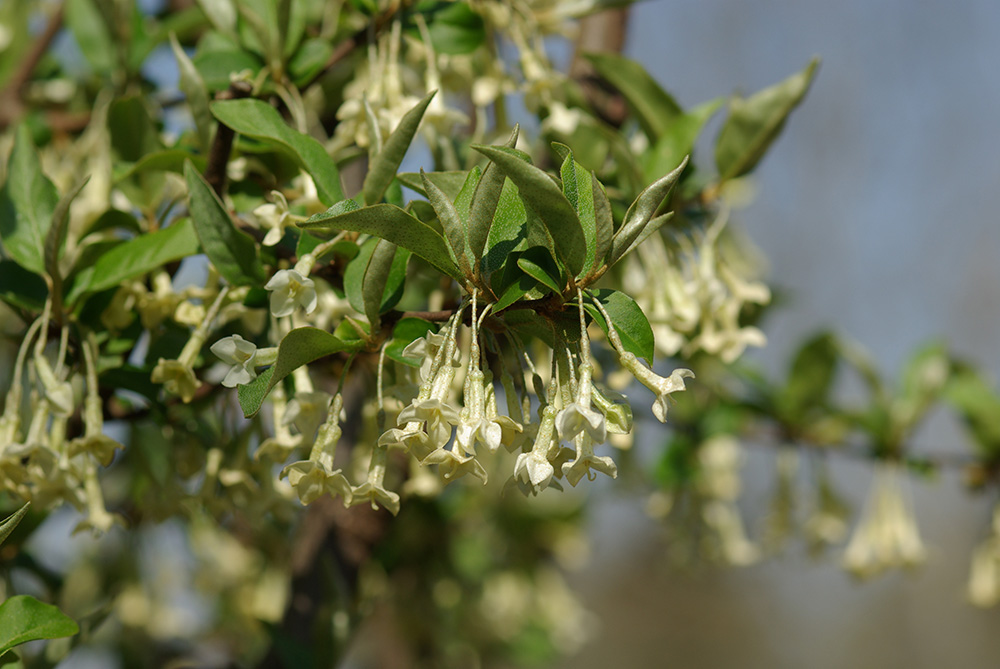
x: 455, y: 231
x: 484, y: 204
x: 654, y: 108
x: 55, y: 241
x: 755, y: 122
x: 375, y: 277
x: 233, y: 253
x: 449, y: 182
x: 392, y: 224
x: 405, y: 332
x: 979, y: 406
x: 84, y: 20
x: 641, y: 212
x: 27, y: 203
x: 23, y: 618
x: 578, y: 186
x: 678, y: 141
x: 629, y: 321
x: 514, y: 290
x: 193, y: 87
x: 222, y: 14
x: 215, y: 65
x: 299, y: 347
x: 168, y: 160
x: 508, y: 231
x: 262, y: 122
x: 9, y: 523
x: 21, y: 288
x: 539, y: 265
x: 810, y: 378
x: 137, y: 257
x: 540, y: 192
x: 453, y: 26
x: 309, y: 60
x: 384, y: 166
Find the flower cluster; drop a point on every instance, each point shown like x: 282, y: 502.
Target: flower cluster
x: 694, y: 294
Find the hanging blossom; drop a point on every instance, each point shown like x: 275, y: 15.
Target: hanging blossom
x: 317, y: 476
x: 887, y: 534
x: 720, y: 459
x: 177, y: 376
x: 984, y: 576
x: 694, y: 294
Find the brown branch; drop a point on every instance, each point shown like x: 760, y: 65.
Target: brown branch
x: 11, y: 98
x: 222, y: 144
x: 345, y: 48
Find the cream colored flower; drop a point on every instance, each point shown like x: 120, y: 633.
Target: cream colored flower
x: 274, y: 217
x: 887, y: 534
x: 289, y: 290
x: 240, y: 353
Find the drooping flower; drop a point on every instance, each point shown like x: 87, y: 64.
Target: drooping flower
x: 274, y: 217
x: 586, y: 462
x: 240, y: 353
x: 290, y: 290
x: 984, y: 576
x: 662, y: 386
x: 887, y: 534
x: 452, y: 466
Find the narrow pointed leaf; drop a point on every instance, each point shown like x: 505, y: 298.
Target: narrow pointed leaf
x: 449, y: 182
x: 262, y: 122
x: 455, y: 232
x: 136, y: 257
x: 23, y: 618
x: 484, y: 204
x: 384, y: 166
x: 193, y: 87
x: 514, y: 292
x: 578, y: 187
x: 233, y: 253
x: 540, y: 192
x: 641, y: 212
x: 12, y: 521
x: 678, y: 141
x: 377, y: 278
x: 508, y: 232
x: 654, y: 108
x: 27, y: 203
x: 650, y: 228
x: 538, y: 264
x: 755, y: 122
x: 299, y: 347
x: 55, y: 240
x: 604, y: 223
x: 392, y: 224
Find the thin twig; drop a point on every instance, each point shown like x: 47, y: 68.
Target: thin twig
x: 11, y: 102
x: 222, y: 144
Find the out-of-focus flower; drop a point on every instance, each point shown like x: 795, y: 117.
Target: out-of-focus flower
x: 886, y: 535
x: 984, y: 576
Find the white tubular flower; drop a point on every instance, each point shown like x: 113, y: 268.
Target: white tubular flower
x: 984, y: 577
x: 474, y: 425
x: 887, y: 534
x: 289, y: 289
x: 534, y: 468
x: 312, y: 480
x: 586, y: 461
x: 579, y: 415
x: 307, y: 411
x: 373, y: 490
x: 724, y: 518
x: 662, y: 386
x: 274, y: 217
x: 240, y: 353
x: 439, y: 416
x: 452, y: 466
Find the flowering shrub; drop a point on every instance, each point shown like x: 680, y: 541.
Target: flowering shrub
x: 218, y: 317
